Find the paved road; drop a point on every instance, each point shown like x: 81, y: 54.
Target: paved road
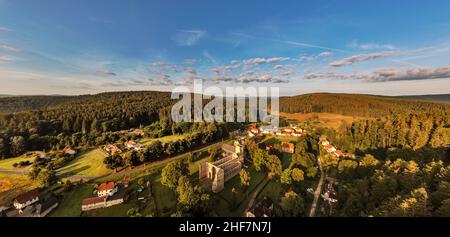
x: 318, y: 191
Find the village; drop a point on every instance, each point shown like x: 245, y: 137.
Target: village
x: 213, y: 175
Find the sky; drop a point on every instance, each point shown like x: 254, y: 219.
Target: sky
x: 384, y: 47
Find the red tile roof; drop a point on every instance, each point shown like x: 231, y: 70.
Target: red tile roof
x: 288, y: 145
x: 28, y: 196
x: 106, y: 186
x: 91, y: 201
x: 329, y: 147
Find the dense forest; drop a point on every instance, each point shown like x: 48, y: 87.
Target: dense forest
x: 414, y: 130
x: 80, y: 121
x: 52, y: 122
x: 355, y: 105
x: 436, y: 98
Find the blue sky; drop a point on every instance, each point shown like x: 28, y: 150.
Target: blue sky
x: 84, y: 47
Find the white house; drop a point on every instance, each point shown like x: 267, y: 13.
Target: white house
x: 107, y: 189
x: 26, y: 199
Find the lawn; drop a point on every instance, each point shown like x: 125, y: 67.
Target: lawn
x: 89, y: 164
x: 273, y: 190
x: 165, y: 198
x: 286, y: 160
x: 71, y: 204
x: 7, y: 164
x: 146, y: 208
x: 11, y: 185
x: 165, y: 139
x: 230, y: 204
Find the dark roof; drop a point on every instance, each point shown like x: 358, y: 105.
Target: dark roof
x: 28, y: 196
x: 264, y: 207
x: 119, y: 195
x: 48, y: 203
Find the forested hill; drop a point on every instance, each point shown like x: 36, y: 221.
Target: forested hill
x: 346, y: 104
x: 355, y: 104
x: 435, y: 98
x: 13, y: 104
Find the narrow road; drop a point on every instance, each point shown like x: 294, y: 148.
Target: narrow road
x: 20, y: 172
x: 318, y: 191
x: 255, y: 194
x: 157, y: 163
x: 25, y: 172
x: 124, y: 171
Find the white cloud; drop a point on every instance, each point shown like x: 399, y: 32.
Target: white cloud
x: 255, y: 61
x: 370, y: 46
x: 6, y: 59
x: 107, y: 72
x: 326, y: 54
x: 391, y: 74
x: 9, y: 48
x: 361, y: 58
x: 4, y: 29
x: 189, y: 37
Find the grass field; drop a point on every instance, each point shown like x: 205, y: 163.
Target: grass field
x: 7, y: 164
x: 272, y: 190
x: 71, y: 204
x: 12, y: 185
x: 321, y: 119
x: 89, y: 164
x: 233, y: 205
x: 165, y: 198
x: 165, y: 139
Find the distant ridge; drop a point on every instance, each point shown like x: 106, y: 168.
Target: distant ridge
x: 435, y: 98
x: 346, y: 104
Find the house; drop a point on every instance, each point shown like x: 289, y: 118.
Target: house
x: 93, y: 203
x: 254, y: 129
x: 330, y: 148
x: 43, y: 209
x: 296, y: 134
x: 134, y: 145
x: 259, y: 138
x: 269, y: 146
x: 101, y: 202
x: 286, y: 134
x: 107, y: 189
x: 325, y: 143
x: 26, y: 199
x: 112, y: 149
x: 264, y: 208
x: 69, y: 151
x: 288, y: 147
x: 339, y: 153
x: 268, y: 129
